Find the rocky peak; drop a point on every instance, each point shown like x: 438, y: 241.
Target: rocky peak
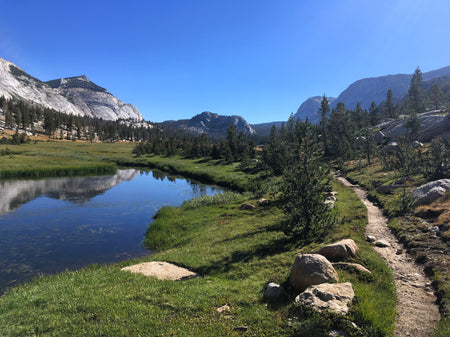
x: 78, y: 82
x: 212, y: 124
x: 72, y: 95
x: 309, y: 109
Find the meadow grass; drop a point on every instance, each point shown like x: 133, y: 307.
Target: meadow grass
x: 235, y: 252
x: 45, y: 159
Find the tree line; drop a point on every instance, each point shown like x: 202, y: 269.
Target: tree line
x: 22, y: 115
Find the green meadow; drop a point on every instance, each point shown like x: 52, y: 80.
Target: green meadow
x: 235, y: 252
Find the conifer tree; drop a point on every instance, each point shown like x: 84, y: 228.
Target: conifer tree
x: 415, y: 97
x: 374, y: 115
x: 304, y: 187
x: 389, y: 110
x: 435, y: 96
x: 323, y: 112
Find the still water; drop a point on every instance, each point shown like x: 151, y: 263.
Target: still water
x: 51, y: 225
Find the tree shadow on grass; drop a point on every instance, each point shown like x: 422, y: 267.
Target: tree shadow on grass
x: 226, y: 263
x: 244, y: 235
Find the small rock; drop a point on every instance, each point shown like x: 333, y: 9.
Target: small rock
x: 391, y: 147
x: 399, y: 251
x: 382, y: 243
x: 337, y: 333
x: 246, y: 206
x: 274, y: 294
x: 434, y: 229
x: 371, y: 238
x: 355, y: 266
x: 263, y: 202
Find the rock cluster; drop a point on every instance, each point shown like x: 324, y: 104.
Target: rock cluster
x: 310, y: 277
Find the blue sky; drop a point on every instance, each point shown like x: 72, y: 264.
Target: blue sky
x: 256, y: 58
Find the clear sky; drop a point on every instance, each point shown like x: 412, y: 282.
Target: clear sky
x: 256, y: 58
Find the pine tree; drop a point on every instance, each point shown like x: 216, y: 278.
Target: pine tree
x: 415, y: 97
x: 389, y: 110
x: 304, y: 186
x: 435, y: 96
x: 374, y: 114
x: 323, y: 112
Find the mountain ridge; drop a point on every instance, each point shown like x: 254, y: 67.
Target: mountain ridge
x: 78, y: 95
x: 212, y: 124
x: 370, y: 89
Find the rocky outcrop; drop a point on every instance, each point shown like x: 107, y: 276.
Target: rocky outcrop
x: 75, y: 95
x: 93, y: 100
x: 311, y: 269
x: 366, y: 91
x: 308, y: 109
x: 428, y: 193
x: 432, y: 124
x: 339, y: 250
x: 16, y: 83
x: 332, y: 297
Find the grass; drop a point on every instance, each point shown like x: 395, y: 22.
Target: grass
x: 44, y: 159
x: 236, y: 252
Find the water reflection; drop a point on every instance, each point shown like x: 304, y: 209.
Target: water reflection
x: 81, y: 189
x: 50, y: 225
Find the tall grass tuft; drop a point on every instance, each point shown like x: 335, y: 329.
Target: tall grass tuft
x: 209, y: 200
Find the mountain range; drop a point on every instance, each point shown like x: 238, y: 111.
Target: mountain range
x: 366, y: 91
x: 81, y: 97
x: 78, y: 96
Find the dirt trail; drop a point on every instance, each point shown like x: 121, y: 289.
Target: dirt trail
x: 417, y: 312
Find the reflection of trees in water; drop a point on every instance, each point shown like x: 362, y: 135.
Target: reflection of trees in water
x: 201, y: 189
x: 158, y: 175
x: 198, y: 189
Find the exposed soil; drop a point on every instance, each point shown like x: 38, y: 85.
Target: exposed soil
x: 417, y: 312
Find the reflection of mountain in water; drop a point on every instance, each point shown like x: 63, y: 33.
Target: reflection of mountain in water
x: 13, y: 194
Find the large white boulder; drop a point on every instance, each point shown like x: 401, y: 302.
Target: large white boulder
x: 428, y: 193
